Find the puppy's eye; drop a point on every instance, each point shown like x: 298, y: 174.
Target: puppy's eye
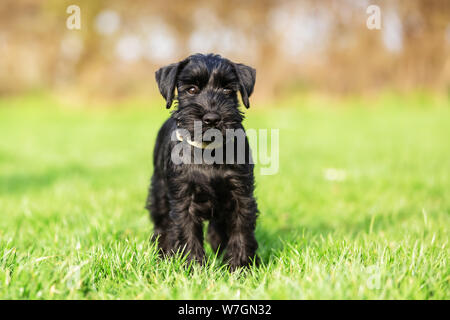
x: 227, y: 90
x: 193, y: 90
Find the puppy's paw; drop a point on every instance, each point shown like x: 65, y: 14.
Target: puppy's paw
x: 236, y: 264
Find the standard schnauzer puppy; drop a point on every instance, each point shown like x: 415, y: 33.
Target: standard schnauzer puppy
x: 183, y: 195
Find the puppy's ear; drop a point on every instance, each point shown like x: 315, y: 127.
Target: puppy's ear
x: 247, y: 78
x: 166, y: 77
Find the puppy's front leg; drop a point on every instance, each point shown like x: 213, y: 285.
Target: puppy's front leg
x: 242, y: 245
x: 188, y: 231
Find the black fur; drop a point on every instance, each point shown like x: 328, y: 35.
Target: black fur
x: 182, y: 196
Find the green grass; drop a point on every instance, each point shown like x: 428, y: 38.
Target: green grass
x: 73, y: 184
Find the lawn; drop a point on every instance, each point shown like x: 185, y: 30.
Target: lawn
x: 360, y: 207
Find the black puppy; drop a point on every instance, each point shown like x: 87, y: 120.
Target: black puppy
x: 183, y: 195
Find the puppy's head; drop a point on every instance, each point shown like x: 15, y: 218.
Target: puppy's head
x: 207, y: 87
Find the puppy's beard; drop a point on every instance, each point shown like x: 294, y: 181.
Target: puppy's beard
x: 216, y: 143
x: 204, y: 138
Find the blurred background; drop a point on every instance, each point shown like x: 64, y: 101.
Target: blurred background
x: 296, y: 46
x: 364, y: 124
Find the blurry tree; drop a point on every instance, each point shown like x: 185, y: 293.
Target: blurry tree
x: 295, y: 45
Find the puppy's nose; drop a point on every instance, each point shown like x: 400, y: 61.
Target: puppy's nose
x: 211, y: 118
